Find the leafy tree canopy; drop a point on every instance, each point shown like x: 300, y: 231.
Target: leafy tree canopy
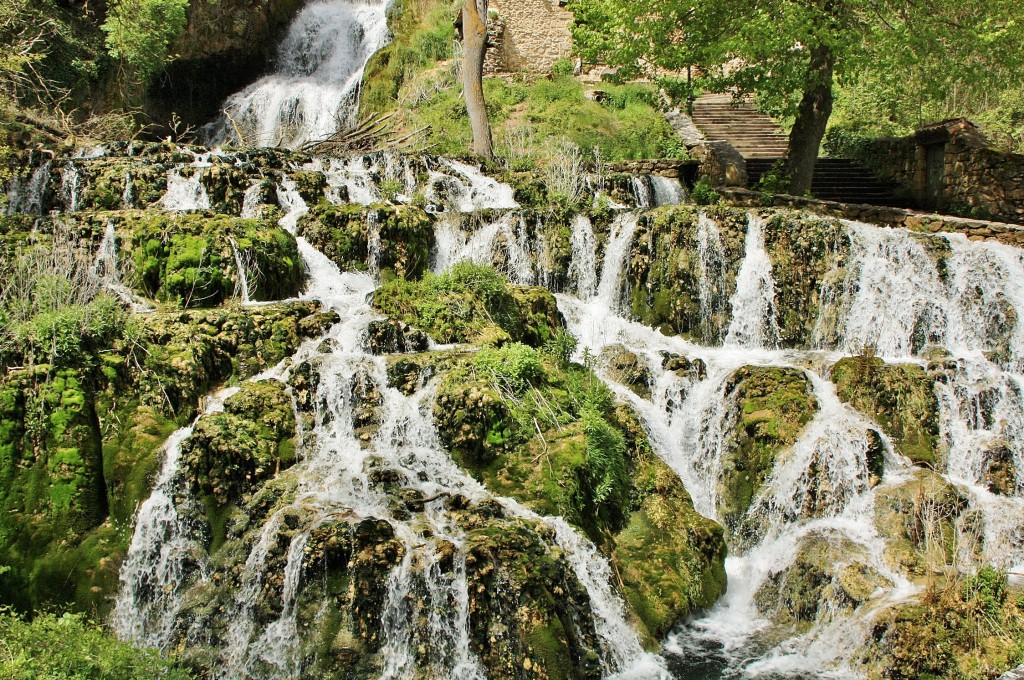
x: 790, y: 53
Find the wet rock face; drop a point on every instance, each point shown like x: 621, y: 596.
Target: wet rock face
x: 627, y: 368
x: 808, y: 256
x: 230, y: 453
x: 771, y: 406
x: 899, y: 397
x: 924, y: 519
x: 682, y: 270
x: 394, y: 240
x: 824, y: 577
x: 391, y: 336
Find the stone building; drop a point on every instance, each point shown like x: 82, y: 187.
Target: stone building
x: 530, y: 35
x: 951, y: 167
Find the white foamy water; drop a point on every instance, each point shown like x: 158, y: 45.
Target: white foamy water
x: 753, y: 304
x: 314, y: 91
x: 185, y: 194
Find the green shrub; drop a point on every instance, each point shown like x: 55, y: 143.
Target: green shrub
x: 514, y: 365
x: 70, y: 646
x: 141, y: 31
x: 703, y: 194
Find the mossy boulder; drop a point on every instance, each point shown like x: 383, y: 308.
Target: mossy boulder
x: 899, y: 397
x: 826, y: 575
x: 769, y: 408
x: 682, y: 274
x: 81, y: 441
x: 558, y: 444
x: 670, y: 558
x: 923, y: 519
x: 394, y: 240
x: 808, y: 255
x: 969, y: 628
x: 390, y: 336
x: 627, y: 368
x: 469, y: 303
x: 229, y: 453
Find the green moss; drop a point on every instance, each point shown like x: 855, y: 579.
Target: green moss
x: 668, y: 280
x: 771, y: 406
x: 808, y: 255
x: 405, y: 234
x: 471, y: 303
x: 972, y: 631
x: 229, y: 453
x: 899, y: 397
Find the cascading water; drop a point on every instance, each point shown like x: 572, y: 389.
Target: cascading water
x: 753, y: 304
x: 164, y: 554
x: 185, y: 193
x: 242, y: 285
x: 943, y: 303
x: 105, y: 268
x: 667, y: 191
x: 314, y: 91
x: 29, y: 197
x: 70, y: 181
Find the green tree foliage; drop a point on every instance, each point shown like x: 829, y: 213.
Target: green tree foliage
x: 69, y: 646
x: 790, y: 53
x: 140, y: 33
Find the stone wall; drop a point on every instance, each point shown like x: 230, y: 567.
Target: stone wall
x: 950, y: 167
x: 536, y: 34
x: 974, y: 229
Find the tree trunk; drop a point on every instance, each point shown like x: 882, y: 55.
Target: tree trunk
x: 474, y: 43
x: 811, y: 119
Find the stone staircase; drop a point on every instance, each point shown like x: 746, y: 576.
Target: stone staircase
x: 755, y: 135
x: 758, y: 138
x: 836, y: 179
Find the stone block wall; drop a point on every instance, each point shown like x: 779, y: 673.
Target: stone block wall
x: 536, y: 34
x: 977, y: 180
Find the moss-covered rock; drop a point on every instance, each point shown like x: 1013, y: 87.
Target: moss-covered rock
x: 827, y: 575
x: 923, y: 519
x: 627, y: 368
x: 229, y: 453
x: 770, y: 406
x: 682, y: 272
x: 808, y: 255
x: 80, y: 441
x: 470, y: 303
x: 389, y: 336
x: 971, y: 628
x: 559, y: 445
x: 899, y: 397
x: 394, y: 240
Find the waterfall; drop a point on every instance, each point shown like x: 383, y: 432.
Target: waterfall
x: 616, y: 258
x: 128, y: 193
x: 184, y: 193
x: 314, y: 92
x: 583, y: 266
x: 753, y: 304
x: 70, y: 189
x: 29, y: 198
x: 643, y: 197
x: 105, y: 269
x: 501, y: 242
x: 251, y: 199
x: 667, y: 191
x: 164, y: 555
x: 242, y: 282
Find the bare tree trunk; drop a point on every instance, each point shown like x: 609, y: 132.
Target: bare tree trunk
x: 811, y: 118
x: 474, y: 41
